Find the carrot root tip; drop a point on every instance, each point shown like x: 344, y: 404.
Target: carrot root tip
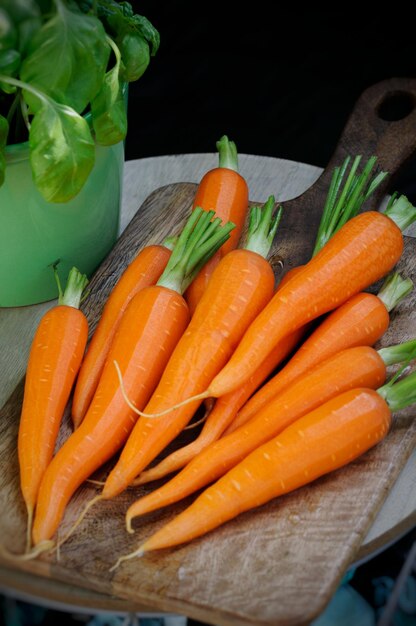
x: 78, y: 521
x: 43, y: 546
x: 137, y: 553
x: 200, y: 396
x: 29, y: 528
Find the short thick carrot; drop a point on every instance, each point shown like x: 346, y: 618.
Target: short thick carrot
x: 54, y: 360
x: 239, y: 288
x: 224, y: 191
x: 150, y: 328
x: 359, y: 366
x: 361, y: 321
x: 143, y: 271
x: 365, y: 249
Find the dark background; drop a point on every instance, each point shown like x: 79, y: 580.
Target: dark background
x: 278, y: 81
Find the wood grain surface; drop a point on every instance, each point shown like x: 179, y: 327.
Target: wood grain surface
x: 279, y: 564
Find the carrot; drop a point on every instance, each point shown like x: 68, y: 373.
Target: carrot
x: 361, y: 321
x: 239, y: 288
x: 225, y: 408
x: 364, y: 249
x: 54, y: 360
x: 143, y: 271
x: 323, y: 440
x: 151, y: 326
x: 224, y: 191
x: 358, y: 366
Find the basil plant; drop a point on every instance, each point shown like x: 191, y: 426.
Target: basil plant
x: 61, y: 59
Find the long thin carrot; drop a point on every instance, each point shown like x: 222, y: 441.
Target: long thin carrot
x: 142, y: 272
x: 241, y: 285
x: 323, y: 440
x: 224, y: 191
x: 153, y: 322
x: 54, y: 360
x: 359, y: 366
x: 225, y: 408
x: 361, y: 321
x: 364, y: 250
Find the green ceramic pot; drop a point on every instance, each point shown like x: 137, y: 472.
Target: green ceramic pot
x: 34, y: 233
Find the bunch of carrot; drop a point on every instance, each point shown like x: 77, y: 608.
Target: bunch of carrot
x: 206, y: 321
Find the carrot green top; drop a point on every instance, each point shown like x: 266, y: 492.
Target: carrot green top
x: 262, y: 227
x: 400, y: 394
x: 227, y: 154
x: 401, y: 211
x: 394, y: 289
x: 343, y: 203
x: 73, y: 292
x: 200, y: 238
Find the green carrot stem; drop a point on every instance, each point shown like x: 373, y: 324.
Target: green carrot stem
x: 263, y: 223
x: 200, y: 238
x: 401, y: 394
x: 399, y: 353
x: 344, y: 201
x: 170, y: 242
x: 227, y: 153
x: 339, y: 206
x: 335, y: 184
x: 401, y: 211
x: 72, y: 294
x: 394, y: 289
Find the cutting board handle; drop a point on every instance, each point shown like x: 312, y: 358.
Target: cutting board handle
x: 382, y: 123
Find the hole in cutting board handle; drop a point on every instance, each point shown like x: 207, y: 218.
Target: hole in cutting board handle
x: 396, y: 106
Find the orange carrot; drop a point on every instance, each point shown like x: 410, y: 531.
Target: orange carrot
x: 224, y: 191
x: 323, y: 440
x: 359, y: 366
x: 365, y: 249
x: 225, y: 408
x: 152, y: 324
x: 361, y: 321
x: 54, y: 360
x: 142, y: 272
x: 239, y: 288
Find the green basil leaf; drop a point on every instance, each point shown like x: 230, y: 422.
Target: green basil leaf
x: 67, y: 59
x: 146, y: 29
x: 108, y: 109
x: 27, y: 29
x: 9, y: 66
x: 62, y: 151
x: 119, y: 19
x: 19, y: 10
x: 8, y: 31
x: 135, y: 56
x: 4, y: 130
x: 9, y: 62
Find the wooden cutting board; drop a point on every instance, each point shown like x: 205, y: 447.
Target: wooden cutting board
x: 281, y: 563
